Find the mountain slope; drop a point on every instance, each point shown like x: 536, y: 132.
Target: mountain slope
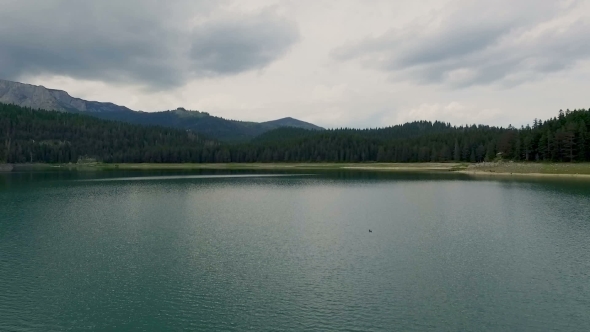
x: 201, y: 122
x: 39, y: 97
x: 34, y: 96
x: 291, y: 122
x: 30, y: 135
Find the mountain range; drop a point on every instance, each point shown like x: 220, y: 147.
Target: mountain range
x: 39, y: 97
x: 83, y: 130
x: 30, y: 136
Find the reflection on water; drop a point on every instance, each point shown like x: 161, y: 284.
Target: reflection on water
x: 236, y: 250
x: 187, y: 177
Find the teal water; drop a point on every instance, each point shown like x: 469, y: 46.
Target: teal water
x: 221, y: 251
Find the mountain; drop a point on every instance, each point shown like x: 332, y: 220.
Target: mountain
x: 34, y: 96
x: 39, y: 97
x: 293, y: 123
x: 201, y: 122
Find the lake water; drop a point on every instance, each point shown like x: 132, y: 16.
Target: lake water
x: 235, y: 251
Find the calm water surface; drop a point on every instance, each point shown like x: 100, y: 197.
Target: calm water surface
x: 267, y: 252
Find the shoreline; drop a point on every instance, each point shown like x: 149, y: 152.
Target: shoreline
x: 246, y: 166
x: 513, y: 174
x: 502, y: 169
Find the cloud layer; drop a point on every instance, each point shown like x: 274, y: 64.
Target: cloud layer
x: 150, y: 42
x: 480, y: 42
x: 350, y: 63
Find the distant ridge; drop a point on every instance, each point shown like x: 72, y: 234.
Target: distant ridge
x: 39, y: 97
x: 36, y: 96
x: 291, y: 122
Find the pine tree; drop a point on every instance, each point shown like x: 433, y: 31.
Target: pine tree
x: 518, y: 150
x: 490, y: 152
x: 582, y: 142
x: 457, y: 151
x: 543, y: 149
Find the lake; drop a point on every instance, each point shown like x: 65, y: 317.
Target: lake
x: 235, y: 251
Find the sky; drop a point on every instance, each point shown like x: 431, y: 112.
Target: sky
x: 345, y: 63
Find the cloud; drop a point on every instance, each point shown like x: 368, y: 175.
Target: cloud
x: 345, y: 63
x: 230, y: 46
x: 150, y: 43
x: 480, y: 42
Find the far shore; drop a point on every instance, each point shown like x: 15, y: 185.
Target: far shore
x: 581, y: 170
x: 444, y: 167
x: 503, y: 174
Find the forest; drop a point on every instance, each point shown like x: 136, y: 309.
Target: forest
x: 38, y: 136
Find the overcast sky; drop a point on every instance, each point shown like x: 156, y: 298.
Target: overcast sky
x: 335, y: 63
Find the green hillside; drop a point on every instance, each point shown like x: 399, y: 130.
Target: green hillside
x: 55, y: 137
x: 39, y: 97
x: 41, y: 136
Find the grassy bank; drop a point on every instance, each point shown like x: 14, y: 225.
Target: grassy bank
x: 290, y: 166
x: 502, y: 168
x: 392, y: 167
x: 529, y: 169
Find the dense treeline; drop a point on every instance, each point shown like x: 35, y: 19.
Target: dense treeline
x: 55, y: 137
x: 201, y: 122
x: 349, y: 145
x: 561, y: 139
x: 42, y: 136
x: 404, y: 131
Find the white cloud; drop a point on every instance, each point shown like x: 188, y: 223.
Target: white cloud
x: 481, y: 42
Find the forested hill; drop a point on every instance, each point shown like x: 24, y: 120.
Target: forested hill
x: 562, y: 139
x: 404, y: 131
x: 39, y: 97
x: 202, y: 122
x: 40, y: 136
x: 56, y: 137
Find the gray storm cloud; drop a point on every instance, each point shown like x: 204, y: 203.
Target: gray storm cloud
x: 480, y: 42
x: 147, y: 42
x: 229, y: 47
